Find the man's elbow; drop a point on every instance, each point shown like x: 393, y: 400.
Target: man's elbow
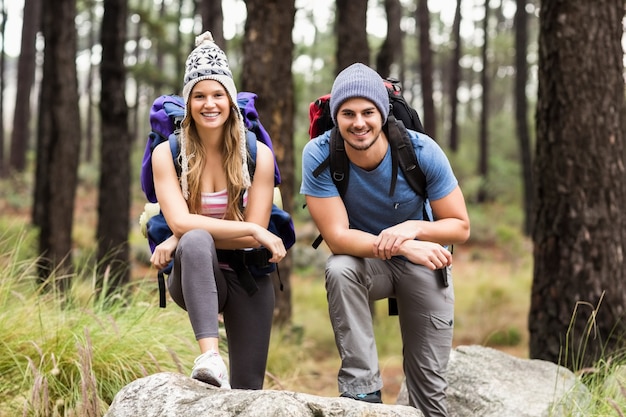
x: 465, y: 233
x: 334, y: 245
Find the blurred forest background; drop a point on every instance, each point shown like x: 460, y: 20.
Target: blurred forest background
x: 525, y: 96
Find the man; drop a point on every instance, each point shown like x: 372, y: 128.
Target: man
x: 383, y: 247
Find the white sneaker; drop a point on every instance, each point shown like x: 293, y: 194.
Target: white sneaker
x: 210, y: 368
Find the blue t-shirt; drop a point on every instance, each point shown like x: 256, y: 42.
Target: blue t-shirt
x: 367, y: 200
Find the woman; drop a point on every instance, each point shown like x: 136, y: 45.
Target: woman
x: 214, y: 204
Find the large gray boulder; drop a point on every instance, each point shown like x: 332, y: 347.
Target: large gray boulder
x: 482, y: 382
x: 488, y: 383
x: 173, y: 395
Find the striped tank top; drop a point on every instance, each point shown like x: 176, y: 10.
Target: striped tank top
x: 214, y: 204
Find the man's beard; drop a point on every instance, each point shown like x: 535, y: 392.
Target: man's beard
x: 363, y: 146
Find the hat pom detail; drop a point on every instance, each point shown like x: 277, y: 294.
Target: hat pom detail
x: 206, y: 36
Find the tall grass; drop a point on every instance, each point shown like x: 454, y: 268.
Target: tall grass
x: 607, y: 377
x: 68, y: 355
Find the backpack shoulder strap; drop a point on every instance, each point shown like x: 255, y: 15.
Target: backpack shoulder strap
x: 407, y: 159
x: 337, y: 161
x: 175, y: 148
x: 252, y: 151
x: 339, y: 165
x: 401, y: 142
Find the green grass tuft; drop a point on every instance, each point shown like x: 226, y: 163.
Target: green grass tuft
x: 65, y: 355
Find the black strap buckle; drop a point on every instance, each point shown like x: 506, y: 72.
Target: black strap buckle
x: 240, y: 259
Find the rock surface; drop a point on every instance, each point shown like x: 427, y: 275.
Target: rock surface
x: 482, y: 382
x: 173, y: 395
x: 488, y: 383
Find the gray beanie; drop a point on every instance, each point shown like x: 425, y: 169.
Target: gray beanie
x: 359, y: 80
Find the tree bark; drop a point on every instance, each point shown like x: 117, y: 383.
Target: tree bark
x: 135, y: 118
x: 114, y: 195
x: 579, y: 292
x: 351, y: 30
x: 90, y: 127
x: 160, y: 49
x: 391, y: 49
x: 483, y: 159
x: 521, y: 110
x: 213, y: 20
x: 59, y: 142
x: 267, y: 58
x: 426, y: 67
x: 455, y: 79
x: 3, y: 15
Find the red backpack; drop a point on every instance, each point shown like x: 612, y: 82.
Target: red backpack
x: 321, y: 120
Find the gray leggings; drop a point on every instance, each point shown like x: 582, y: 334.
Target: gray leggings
x: 198, y: 285
x: 425, y: 310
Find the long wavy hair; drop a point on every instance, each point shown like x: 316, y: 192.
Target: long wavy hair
x: 233, y: 164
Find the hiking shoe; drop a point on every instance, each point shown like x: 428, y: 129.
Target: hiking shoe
x: 210, y: 368
x: 372, y: 397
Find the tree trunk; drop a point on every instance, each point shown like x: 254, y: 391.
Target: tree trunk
x: 267, y: 58
x: 161, y: 47
x: 483, y: 159
x: 213, y: 20
x: 59, y: 142
x: 455, y: 79
x: 392, y: 46
x: 578, y: 299
x: 26, y: 67
x: 3, y: 25
x: 426, y: 67
x: 114, y: 196
x: 178, y: 56
x: 521, y: 109
x: 90, y: 127
x: 139, y: 83
x: 351, y: 30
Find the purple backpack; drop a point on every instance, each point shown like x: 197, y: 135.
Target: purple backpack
x: 166, y: 116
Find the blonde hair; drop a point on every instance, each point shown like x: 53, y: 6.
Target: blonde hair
x: 233, y: 164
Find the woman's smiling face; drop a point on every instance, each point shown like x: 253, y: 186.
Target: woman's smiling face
x: 209, y: 104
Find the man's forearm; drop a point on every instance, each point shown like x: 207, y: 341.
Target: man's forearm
x: 352, y: 242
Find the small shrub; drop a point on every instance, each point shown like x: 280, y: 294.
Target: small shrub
x: 510, y: 336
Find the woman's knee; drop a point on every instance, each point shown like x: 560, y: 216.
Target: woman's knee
x: 196, y: 240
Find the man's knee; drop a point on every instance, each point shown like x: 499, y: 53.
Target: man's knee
x: 342, y: 270
x: 338, y: 265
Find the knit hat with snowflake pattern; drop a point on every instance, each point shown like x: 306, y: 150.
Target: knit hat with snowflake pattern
x: 208, y: 62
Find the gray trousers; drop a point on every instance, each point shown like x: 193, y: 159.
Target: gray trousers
x: 426, y: 313
x: 198, y: 285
